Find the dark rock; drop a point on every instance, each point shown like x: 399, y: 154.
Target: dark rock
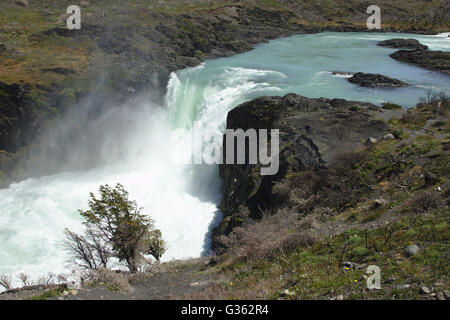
x: 376, y: 80
x: 17, y: 117
x: 433, y: 60
x: 312, y: 133
x: 403, y: 44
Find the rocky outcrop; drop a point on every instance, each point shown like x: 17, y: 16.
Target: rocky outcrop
x: 376, y: 80
x: 16, y: 116
x: 403, y: 44
x: 312, y: 133
x: 433, y: 60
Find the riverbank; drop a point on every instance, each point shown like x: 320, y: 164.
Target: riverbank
x: 46, y: 69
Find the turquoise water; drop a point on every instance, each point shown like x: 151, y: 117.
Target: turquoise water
x: 183, y: 199
x: 303, y: 64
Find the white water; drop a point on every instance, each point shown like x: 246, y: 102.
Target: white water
x: 183, y: 199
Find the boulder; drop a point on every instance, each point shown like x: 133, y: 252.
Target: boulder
x: 412, y: 250
x: 388, y: 137
x: 376, y: 80
x: 403, y: 44
x: 371, y: 141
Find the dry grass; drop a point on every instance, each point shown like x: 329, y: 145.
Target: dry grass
x: 272, y: 235
x: 112, y: 280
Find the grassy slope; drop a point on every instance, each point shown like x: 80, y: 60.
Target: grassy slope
x: 414, y: 213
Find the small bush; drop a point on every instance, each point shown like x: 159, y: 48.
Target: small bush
x: 359, y: 252
x: 424, y: 201
x: 270, y: 236
x: 112, y: 280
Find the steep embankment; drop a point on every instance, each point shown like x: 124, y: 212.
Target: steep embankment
x: 128, y: 46
x: 313, y: 132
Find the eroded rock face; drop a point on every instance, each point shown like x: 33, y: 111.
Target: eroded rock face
x: 403, y: 44
x: 376, y: 80
x: 16, y: 116
x: 433, y: 60
x: 312, y: 133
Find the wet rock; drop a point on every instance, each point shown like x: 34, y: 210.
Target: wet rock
x: 376, y: 80
x: 412, y: 250
x: 433, y: 60
x: 403, y: 44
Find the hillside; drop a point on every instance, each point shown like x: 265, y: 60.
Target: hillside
x: 128, y: 46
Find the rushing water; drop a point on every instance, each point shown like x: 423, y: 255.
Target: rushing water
x: 183, y: 199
